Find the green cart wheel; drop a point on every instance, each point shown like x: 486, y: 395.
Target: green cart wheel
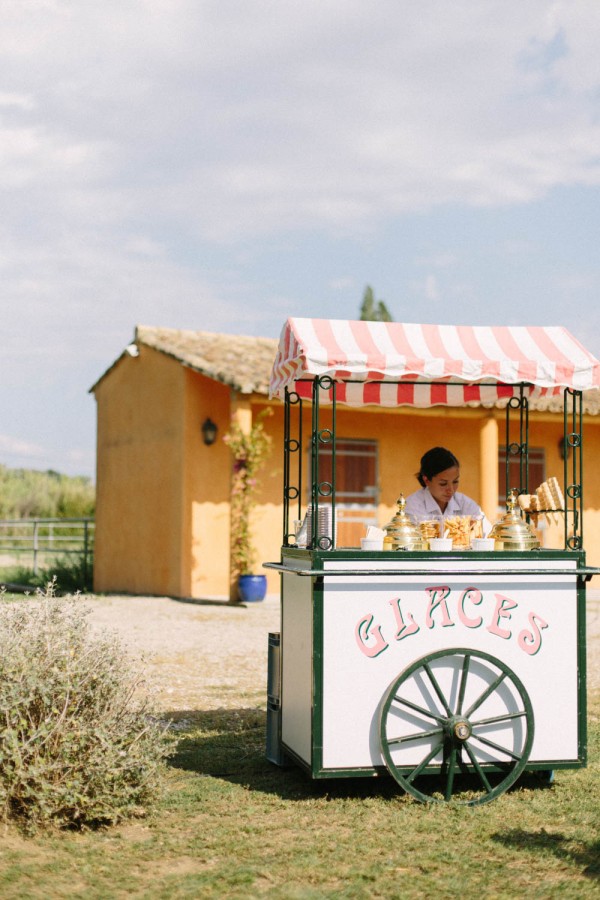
x: 456, y: 725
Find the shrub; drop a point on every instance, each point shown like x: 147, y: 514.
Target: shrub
x: 249, y: 451
x: 71, y: 574
x: 77, y: 745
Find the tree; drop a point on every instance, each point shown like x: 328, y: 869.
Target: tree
x: 373, y: 310
x: 26, y: 493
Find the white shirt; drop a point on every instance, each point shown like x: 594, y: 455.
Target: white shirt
x: 421, y: 503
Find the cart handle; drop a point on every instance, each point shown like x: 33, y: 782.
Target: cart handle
x: 587, y: 571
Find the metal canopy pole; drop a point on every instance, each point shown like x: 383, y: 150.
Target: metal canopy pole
x: 322, y: 436
x: 518, y: 448
x: 291, y: 445
x: 573, y: 468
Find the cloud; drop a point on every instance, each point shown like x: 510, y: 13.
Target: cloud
x: 82, y: 295
x: 131, y: 131
x: 441, y: 260
x: 228, y: 119
x: 342, y: 283
x: 154, y: 152
x: 13, y: 446
x: 21, y: 454
x: 431, y: 288
x: 16, y: 101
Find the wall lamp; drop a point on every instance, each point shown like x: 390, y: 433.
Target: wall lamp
x: 209, y: 432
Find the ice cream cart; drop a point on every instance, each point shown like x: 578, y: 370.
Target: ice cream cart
x: 454, y: 672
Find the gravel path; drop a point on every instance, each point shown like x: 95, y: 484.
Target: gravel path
x: 197, y: 655
x: 214, y: 655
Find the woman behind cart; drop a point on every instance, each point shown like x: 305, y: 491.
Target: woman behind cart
x: 439, y: 477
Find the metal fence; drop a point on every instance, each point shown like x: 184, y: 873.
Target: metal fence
x: 37, y: 543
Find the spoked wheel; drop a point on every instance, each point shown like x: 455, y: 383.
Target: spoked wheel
x: 456, y: 725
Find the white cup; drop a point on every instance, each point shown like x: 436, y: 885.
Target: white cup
x: 482, y: 544
x: 371, y: 543
x: 300, y: 532
x: 442, y: 544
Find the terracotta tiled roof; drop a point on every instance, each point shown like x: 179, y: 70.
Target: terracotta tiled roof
x: 243, y: 362
x: 591, y: 403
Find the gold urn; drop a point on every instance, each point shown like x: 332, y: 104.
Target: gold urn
x: 512, y: 532
x: 401, y: 533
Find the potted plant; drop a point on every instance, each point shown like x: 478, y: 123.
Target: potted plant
x: 249, y: 451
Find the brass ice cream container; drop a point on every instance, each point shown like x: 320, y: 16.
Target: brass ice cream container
x: 401, y: 533
x: 512, y: 532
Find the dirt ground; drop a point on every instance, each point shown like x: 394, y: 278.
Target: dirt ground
x: 197, y: 655
x: 210, y: 655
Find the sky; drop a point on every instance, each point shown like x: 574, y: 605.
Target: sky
x: 220, y: 165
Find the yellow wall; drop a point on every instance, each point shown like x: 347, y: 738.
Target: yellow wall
x: 206, y: 488
x: 591, y: 494
x: 162, y: 521
x: 139, y: 524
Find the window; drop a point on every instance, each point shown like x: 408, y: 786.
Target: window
x: 537, y: 472
x: 357, y: 494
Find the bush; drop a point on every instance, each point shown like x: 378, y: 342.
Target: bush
x: 71, y: 574
x: 77, y: 745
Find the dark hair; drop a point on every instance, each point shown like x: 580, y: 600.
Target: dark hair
x: 436, y: 460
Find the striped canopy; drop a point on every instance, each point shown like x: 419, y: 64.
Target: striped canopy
x: 399, y: 364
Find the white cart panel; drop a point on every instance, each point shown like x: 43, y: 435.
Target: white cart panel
x: 296, y: 666
x: 375, y: 626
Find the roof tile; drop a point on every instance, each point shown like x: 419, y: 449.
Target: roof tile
x: 240, y: 361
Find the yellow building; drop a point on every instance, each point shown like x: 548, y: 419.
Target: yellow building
x: 162, y: 514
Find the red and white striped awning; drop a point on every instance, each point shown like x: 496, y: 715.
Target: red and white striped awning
x: 399, y: 364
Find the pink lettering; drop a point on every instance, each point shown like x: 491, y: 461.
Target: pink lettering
x: 531, y: 641
x: 474, y: 596
x: 437, y: 598
x: 501, y: 611
x: 471, y: 601
x: 404, y: 629
x: 364, y: 633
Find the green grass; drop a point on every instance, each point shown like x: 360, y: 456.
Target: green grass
x: 232, y: 825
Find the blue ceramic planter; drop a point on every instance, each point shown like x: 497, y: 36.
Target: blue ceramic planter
x: 252, y: 588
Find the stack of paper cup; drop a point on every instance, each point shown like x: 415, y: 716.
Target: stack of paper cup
x: 324, y: 522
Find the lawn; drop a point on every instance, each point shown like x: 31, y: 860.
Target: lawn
x: 230, y: 824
